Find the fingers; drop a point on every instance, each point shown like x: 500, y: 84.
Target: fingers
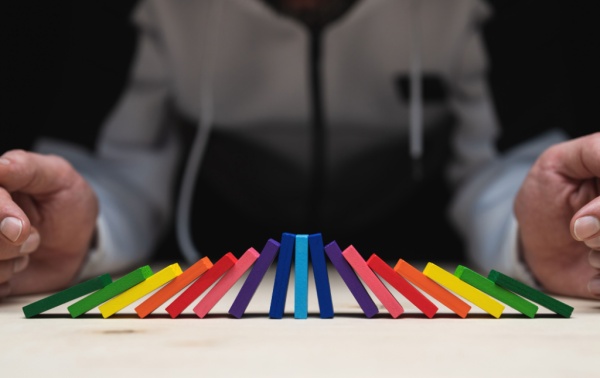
x: 34, y: 173
x: 578, y: 158
x: 585, y: 226
x: 16, y: 234
x: 7, y: 269
x: 17, y: 240
x: 12, y: 226
x: 594, y: 259
x: 594, y: 284
x: 14, y: 258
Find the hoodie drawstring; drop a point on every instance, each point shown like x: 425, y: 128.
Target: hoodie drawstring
x: 416, y: 97
x: 205, y: 124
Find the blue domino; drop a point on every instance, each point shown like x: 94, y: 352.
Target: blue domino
x: 282, y: 275
x: 317, y: 257
x: 301, y: 277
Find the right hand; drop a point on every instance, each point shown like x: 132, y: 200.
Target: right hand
x: 559, y: 200
x: 48, y: 217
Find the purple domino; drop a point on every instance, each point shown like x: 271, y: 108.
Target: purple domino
x: 351, y: 279
x: 267, y: 255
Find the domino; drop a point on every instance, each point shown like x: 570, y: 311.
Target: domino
x: 201, y: 284
x: 370, y: 279
x: 451, y: 301
x: 67, y: 295
x: 530, y: 293
x: 470, y: 293
x: 490, y: 288
x: 152, y: 283
x: 282, y: 276
x: 262, y: 264
x: 317, y: 257
x: 402, y: 285
x: 175, y: 286
x: 109, y: 291
x: 301, y: 277
x: 226, y: 282
x: 351, y: 280
x: 457, y: 291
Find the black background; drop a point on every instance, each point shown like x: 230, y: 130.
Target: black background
x: 67, y: 63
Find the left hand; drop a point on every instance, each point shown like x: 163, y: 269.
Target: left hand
x: 558, y: 211
x: 48, y: 214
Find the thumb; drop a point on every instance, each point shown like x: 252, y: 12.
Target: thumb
x: 585, y: 224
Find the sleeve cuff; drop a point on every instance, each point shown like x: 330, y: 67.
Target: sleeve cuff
x: 514, y: 261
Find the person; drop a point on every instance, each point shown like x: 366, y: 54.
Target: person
x: 331, y: 115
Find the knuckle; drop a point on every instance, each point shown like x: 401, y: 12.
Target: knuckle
x: 6, y: 270
x: 20, y: 263
x: 4, y: 289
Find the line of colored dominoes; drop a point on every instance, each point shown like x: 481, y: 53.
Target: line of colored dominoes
x: 424, y: 289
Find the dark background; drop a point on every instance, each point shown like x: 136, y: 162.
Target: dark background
x: 67, y: 62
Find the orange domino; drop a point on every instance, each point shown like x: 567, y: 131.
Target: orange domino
x: 173, y: 287
x: 226, y: 282
x: 377, y: 287
x: 205, y: 281
x: 457, y: 305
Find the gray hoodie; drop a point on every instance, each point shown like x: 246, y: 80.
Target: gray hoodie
x: 402, y: 95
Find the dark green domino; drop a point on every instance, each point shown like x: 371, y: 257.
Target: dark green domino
x: 66, y: 295
x: 490, y: 288
x: 109, y: 291
x: 530, y: 293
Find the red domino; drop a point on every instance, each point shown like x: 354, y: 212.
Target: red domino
x: 403, y: 286
x: 377, y: 287
x: 228, y: 280
x: 201, y: 284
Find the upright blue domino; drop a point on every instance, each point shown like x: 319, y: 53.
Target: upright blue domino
x: 301, y: 277
x: 317, y: 257
x: 282, y: 275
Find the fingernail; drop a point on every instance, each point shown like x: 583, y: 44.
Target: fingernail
x: 586, y: 226
x: 11, y: 228
x: 593, y: 243
x: 4, y: 161
x: 594, y: 259
x: 31, y: 243
x: 594, y: 286
x: 20, y: 264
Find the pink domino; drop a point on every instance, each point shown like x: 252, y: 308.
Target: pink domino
x: 368, y: 276
x: 225, y: 283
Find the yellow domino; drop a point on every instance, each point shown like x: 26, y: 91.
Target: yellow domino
x: 150, y: 284
x: 470, y: 293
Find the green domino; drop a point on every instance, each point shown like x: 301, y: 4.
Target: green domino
x: 531, y: 293
x: 109, y: 291
x: 489, y: 287
x: 66, y: 295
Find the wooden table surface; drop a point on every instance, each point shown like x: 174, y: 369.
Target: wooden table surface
x: 349, y: 345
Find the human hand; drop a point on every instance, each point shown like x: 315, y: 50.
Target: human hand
x: 47, y: 219
x: 558, y: 211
